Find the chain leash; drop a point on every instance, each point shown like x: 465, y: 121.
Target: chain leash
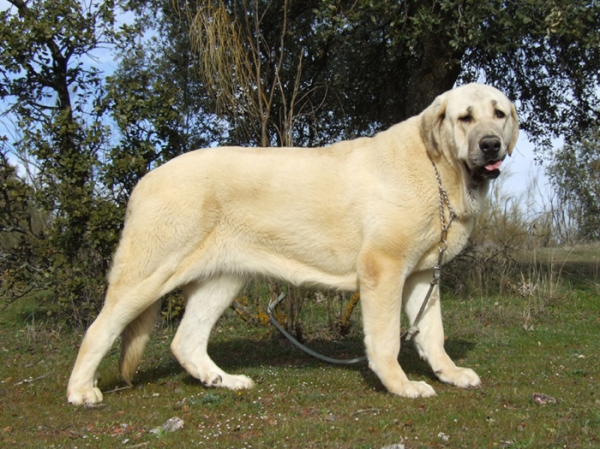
x: 442, y: 247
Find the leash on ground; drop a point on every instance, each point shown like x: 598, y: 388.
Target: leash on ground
x: 270, y: 311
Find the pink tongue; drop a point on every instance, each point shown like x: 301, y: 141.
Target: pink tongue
x: 494, y: 166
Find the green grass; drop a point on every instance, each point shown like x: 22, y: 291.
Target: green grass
x: 518, y: 345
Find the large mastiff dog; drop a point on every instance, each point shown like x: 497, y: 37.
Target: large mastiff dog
x: 361, y: 214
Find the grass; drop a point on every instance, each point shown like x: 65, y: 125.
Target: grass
x: 519, y: 345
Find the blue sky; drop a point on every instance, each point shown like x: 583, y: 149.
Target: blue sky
x: 521, y: 169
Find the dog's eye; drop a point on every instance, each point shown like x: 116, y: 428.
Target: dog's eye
x: 466, y: 119
x: 500, y: 114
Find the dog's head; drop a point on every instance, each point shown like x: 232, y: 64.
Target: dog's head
x: 474, y: 124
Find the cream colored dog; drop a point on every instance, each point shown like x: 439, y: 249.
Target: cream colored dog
x: 361, y: 214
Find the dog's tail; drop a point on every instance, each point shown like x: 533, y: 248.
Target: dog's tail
x: 134, y: 340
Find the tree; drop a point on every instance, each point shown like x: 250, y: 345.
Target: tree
x: 366, y: 64
x: 54, y: 97
x: 83, y: 170
x: 575, y: 172
x: 259, y: 46
x: 544, y: 55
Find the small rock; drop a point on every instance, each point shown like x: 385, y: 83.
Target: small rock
x: 542, y: 399
x: 443, y: 436
x: 173, y: 424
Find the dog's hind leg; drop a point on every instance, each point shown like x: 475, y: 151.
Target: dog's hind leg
x: 134, y: 339
x: 123, y: 305
x: 206, y: 301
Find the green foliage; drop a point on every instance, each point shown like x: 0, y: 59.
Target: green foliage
x: 575, y: 171
x: 22, y: 228
x: 54, y: 97
x: 81, y: 179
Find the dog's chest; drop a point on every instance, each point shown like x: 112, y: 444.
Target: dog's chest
x: 456, y: 238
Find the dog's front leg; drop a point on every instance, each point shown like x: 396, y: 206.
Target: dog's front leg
x: 381, y: 291
x: 430, y: 338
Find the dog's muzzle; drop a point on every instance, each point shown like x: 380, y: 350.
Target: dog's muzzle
x: 489, y: 161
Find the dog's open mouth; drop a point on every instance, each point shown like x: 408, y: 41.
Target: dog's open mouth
x: 491, y: 170
x: 493, y: 166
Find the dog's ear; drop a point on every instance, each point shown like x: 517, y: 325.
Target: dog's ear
x: 430, y: 124
x: 515, y: 129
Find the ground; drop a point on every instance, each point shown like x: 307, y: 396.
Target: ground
x: 520, y: 342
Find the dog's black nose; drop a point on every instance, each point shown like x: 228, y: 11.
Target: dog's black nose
x: 490, y: 145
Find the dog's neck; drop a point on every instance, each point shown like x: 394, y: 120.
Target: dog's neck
x: 469, y: 197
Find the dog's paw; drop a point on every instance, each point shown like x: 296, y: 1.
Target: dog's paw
x: 229, y: 381
x: 238, y: 382
x: 83, y: 396
x: 461, y: 377
x: 414, y: 390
